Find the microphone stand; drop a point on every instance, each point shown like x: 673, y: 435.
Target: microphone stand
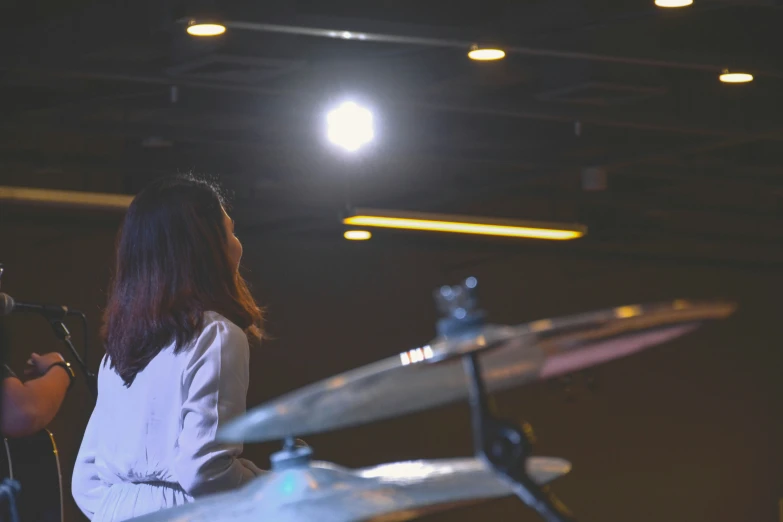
x: 55, y: 316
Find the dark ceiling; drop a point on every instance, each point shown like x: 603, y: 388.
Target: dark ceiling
x: 102, y: 96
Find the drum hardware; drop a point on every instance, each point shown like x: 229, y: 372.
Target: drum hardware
x: 505, y: 446
x: 432, y: 375
x: 468, y: 359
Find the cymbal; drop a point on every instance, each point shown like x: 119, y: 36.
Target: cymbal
x: 328, y: 493
x: 433, y: 375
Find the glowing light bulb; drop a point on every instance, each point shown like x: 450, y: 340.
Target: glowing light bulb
x: 350, y: 126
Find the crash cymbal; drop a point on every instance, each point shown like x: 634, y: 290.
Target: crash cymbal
x: 433, y: 375
x: 328, y: 493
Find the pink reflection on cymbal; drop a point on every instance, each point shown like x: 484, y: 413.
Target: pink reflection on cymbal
x: 563, y: 360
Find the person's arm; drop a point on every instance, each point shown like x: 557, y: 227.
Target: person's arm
x: 215, y: 386
x: 30, y: 406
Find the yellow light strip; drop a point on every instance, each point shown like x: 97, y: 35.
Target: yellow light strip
x: 67, y: 198
x: 464, y: 225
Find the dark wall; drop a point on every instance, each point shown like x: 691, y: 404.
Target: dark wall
x: 686, y: 431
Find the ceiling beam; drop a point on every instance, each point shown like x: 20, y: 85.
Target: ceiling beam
x: 526, y: 112
x: 64, y: 198
x: 619, y: 164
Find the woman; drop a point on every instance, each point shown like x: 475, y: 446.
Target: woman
x: 176, y: 332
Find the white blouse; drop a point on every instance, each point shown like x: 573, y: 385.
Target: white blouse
x: 152, y: 446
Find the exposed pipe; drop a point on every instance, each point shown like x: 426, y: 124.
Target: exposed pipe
x: 342, y: 34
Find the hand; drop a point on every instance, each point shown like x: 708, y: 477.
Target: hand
x: 38, y: 365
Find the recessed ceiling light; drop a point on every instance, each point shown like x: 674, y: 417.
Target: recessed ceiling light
x: 357, y: 235
x: 204, y: 29
x: 673, y: 3
x: 481, y: 54
x: 735, y: 77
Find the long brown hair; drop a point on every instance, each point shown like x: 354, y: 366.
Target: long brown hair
x: 172, y: 266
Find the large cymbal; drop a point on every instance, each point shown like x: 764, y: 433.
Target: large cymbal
x: 432, y: 375
x: 328, y: 493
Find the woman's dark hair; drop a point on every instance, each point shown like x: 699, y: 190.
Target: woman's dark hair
x: 172, y: 266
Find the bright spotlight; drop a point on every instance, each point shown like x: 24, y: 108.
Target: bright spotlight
x: 350, y: 126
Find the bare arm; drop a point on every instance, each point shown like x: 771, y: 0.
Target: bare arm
x: 30, y: 406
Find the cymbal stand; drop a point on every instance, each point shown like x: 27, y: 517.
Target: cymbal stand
x: 502, y: 444
x: 295, y: 453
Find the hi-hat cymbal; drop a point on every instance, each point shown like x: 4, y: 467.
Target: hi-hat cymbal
x: 432, y: 375
x: 328, y: 493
